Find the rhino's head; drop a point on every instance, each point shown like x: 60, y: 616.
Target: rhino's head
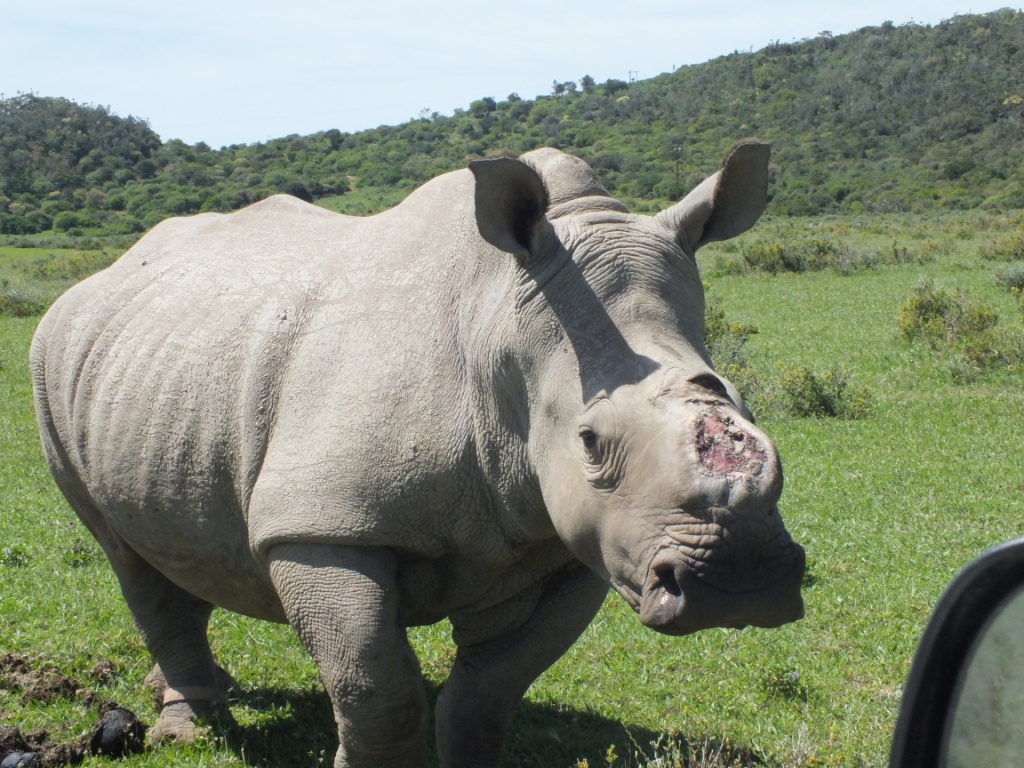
x: 649, y: 464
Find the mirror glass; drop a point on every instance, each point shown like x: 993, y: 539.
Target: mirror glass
x: 987, y: 725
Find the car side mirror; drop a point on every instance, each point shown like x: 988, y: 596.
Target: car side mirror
x: 963, y: 703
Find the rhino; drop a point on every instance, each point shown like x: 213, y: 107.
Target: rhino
x: 487, y: 404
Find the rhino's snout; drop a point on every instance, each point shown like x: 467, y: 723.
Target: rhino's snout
x: 678, y: 599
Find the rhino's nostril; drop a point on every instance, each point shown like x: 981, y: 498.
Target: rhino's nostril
x: 667, y: 581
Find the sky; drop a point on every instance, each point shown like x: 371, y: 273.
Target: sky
x: 238, y: 72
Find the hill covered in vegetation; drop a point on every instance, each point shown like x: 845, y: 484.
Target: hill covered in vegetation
x: 887, y: 118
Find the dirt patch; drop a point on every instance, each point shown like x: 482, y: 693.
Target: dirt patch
x: 116, y: 732
x: 42, y: 685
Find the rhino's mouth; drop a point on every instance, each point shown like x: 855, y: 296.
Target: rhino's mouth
x: 686, y: 590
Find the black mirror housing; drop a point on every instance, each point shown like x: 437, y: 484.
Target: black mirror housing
x: 961, y: 617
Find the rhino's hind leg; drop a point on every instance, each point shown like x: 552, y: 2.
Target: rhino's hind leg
x: 342, y: 602
x: 489, y: 678
x: 173, y: 625
x: 172, y: 622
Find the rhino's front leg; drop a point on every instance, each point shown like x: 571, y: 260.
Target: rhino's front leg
x: 343, y: 603
x: 490, y: 677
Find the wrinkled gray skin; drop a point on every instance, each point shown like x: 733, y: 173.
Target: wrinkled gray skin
x: 488, y: 403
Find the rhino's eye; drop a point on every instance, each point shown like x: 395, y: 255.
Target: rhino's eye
x: 591, y: 444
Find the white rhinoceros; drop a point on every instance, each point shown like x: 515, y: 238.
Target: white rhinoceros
x: 487, y: 404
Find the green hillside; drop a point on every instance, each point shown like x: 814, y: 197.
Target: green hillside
x: 887, y: 118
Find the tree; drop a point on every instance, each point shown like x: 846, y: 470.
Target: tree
x: 333, y: 137
x: 482, y: 106
x: 613, y: 86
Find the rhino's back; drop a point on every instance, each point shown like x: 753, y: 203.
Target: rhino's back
x: 163, y: 377
x: 156, y: 355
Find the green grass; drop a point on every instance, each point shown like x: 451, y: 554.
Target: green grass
x: 31, y: 278
x: 889, y: 506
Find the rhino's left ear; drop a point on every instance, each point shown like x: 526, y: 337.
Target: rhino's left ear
x: 510, y: 205
x: 726, y: 204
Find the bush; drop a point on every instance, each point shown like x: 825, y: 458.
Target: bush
x: 18, y: 299
x: 947, y: 319
x: 17, y: 225
x: 769, y: 257
x: 799, y: 391
x: 726, y: 343
x: 718, y: 331
x: 805, y: 393
x: 70, y: 221
x: 943, y: 316
x: 1011, y: 278
x: 1009, y: 248
x: 127, y: 225
x: 70, y: 267
x: 996, y: 347
x: 42, y: 280
x: 811, y: 254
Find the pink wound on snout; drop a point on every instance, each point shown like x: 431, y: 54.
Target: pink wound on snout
x: 725, y: 448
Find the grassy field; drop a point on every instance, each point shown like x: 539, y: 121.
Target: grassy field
x: 889, y: 506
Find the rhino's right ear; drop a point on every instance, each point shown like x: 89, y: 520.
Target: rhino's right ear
x: 726, y: 204
x: 510, y: 205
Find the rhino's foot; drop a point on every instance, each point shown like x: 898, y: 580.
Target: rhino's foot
x: 156, y: 684
x: 191, y: 720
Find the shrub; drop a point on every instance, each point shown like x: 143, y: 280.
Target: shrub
x: 819, y: 253
x: 16, y: 225
x: 296, y: 189
x: 1009, y: 248
x: 72, y: 221
x: 718, y: 331
x: 127, y: 225
x: 769, y: 257
x: 996, y: 347
x: 850, y: 260
x: 810, y: 254
x: 948, y: 319
x: 1011, y: 278
x: 42, y: 280
x: 808, y: 394
x: 943, y: 316
x: 18, y: 299
x: 73, y: 266
x: 799, y: 391
x: 726, y: 343
x: 727, y: 265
